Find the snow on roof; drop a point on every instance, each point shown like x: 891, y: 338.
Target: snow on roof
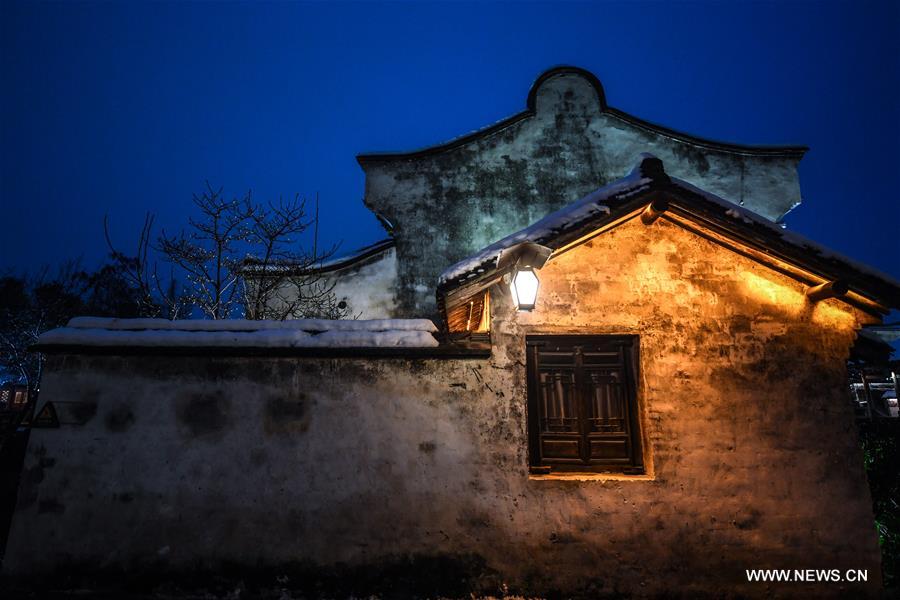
x: 601, y: 203
x: 795, y: 239
x: 315, y: 325
x: 556, y: 222
x: 330, y: 264
x: 888, y: 332
x: 240, y: 333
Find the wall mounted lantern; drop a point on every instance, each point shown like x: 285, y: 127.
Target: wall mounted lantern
x: 524, y: 287
x: 518, y: 263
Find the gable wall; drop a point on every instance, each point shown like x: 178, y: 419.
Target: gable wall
x: 447, y: 206
x: 742, y: 392
x: 366, y: 286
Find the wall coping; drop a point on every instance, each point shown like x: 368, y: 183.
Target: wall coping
x: 444, y: 351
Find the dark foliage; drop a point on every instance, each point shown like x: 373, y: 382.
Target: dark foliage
x: 880, y: 439
x: 30, y: 305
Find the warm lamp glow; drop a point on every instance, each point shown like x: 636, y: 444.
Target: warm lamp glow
x: 766, y: 289
x: 524, y: 288
x: 791, y: 301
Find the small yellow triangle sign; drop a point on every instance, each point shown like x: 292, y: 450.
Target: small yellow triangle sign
x: 46, y: 418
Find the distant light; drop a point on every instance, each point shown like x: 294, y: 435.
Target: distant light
x: 524, y: 288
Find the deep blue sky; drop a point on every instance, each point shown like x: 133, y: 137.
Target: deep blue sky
x: 124, y: 108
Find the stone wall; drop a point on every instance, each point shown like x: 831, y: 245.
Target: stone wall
x: 446, y: 205
x: 168, y: 463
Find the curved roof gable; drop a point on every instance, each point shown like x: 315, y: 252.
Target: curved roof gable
x: 796, y: 152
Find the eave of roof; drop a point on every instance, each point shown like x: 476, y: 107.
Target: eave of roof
x: 335, y: 264
x: 888, y: 332
x: 646, y: 182
x: 796, y: 152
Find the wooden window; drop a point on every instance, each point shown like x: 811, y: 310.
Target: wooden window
x: 582, y: 406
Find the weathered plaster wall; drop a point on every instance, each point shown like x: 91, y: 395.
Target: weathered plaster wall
x: 750, y: 442
x: 367, y: 287
x: 447, y: 206
x: 742, y: 392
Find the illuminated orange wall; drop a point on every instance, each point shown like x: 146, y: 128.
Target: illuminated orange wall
x: 747, y: 423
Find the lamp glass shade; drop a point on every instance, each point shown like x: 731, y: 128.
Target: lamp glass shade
x: 524, y: 288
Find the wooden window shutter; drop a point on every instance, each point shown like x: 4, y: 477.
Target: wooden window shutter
x: 582, y: 403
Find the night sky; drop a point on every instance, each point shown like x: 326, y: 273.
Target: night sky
x: 124, y: 108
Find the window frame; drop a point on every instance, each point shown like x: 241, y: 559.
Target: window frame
x: 629, y: 346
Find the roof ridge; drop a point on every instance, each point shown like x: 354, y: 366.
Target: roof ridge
x: 364, y: 158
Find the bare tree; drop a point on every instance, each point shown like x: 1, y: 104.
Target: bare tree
x: 280, y: 278
x: 240, y: 257
x: 208, y: 253
x: 156, y: 297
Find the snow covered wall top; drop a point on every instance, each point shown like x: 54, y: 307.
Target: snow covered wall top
x: 240, y: 333
x: 446, y: 202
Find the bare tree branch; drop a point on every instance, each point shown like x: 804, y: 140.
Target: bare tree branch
x: 281, y: 280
